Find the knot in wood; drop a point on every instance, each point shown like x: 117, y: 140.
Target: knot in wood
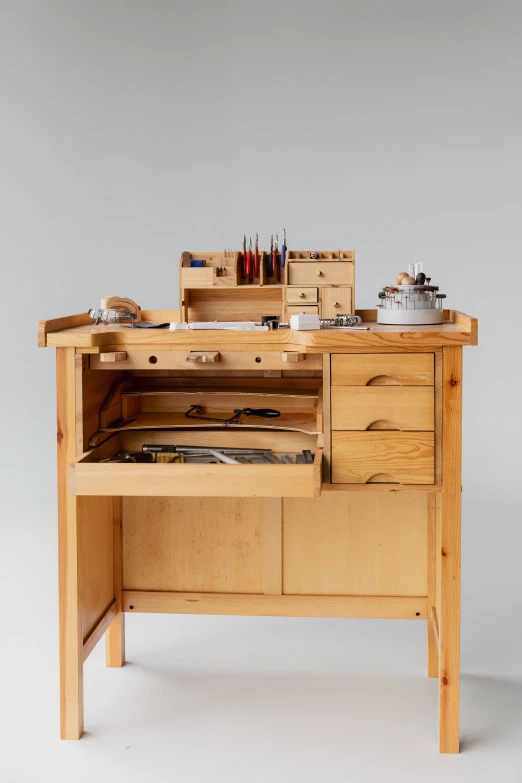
x: 453, y: 382
x: 443, y: 552
x: 59, y: 436
x: 444, y: 680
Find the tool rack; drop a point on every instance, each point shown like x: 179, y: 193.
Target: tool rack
x: 370, y: 529
x: 323, y: 285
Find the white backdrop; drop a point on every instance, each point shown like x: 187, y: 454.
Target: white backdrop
x: 131, y: 131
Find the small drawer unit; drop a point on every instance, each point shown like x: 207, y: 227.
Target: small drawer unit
x: 320, y: 273
x: 383, y: 418
x: 383, y: 408
x: 383, y: 457
x: 297, y: 296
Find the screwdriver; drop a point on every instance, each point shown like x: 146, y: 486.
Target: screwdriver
x: 283, y: 249
x: 276, y: 263
x: 256, y: 258
x: 243, y: 265
x: 250, y: 270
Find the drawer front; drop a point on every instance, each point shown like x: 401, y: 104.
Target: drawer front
x: 301, y: 295
x: 383, y: 457
x: 369, y: 369
x: 226, y: 360
x: 311, y: 309
x: 383, y: 408
x: 90, y: 476
x: 320, y: 273
x: 335, y: 301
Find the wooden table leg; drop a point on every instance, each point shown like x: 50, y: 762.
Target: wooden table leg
x: 433, y: 636
x: 71, y: 641
x: 450, y: 550
x: 115, y: 635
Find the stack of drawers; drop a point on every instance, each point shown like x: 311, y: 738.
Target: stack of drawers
x: 383, y: 418
x: 323, y: 286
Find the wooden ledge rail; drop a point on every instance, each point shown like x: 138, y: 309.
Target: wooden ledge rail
x: 99, y: 629
x: 355, y: 606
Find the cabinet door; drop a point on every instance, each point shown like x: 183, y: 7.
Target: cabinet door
x: 335, y: 301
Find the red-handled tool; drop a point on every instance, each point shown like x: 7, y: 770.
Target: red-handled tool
x: 250, y: 268
x: 256, y: 259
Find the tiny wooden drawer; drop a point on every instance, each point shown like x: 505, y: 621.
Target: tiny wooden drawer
x: 335, y: 301
x: 383, y: 408
x: 320, y: 273
x: 383, y: 457
x: 91, y: 476
x: 370, y: 369
x: 226, y: 360
x: 295, y: 310
x: 301, y: 295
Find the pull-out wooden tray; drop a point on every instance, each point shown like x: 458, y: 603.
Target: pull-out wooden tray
x: 90, y: 476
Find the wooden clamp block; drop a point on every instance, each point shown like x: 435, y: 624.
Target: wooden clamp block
x: 204, y: 357
x: 293, y: 356
x: 113, y: 356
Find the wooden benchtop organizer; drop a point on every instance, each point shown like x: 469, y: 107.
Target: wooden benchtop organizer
x: 370, y: 529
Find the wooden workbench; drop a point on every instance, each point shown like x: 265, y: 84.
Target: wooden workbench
x: 370, y: 529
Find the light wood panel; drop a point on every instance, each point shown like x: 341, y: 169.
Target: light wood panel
x: 383, y: 370
x: 95, y: 559
x: 335, y: 301
x: 403, y: 457
x: 229, y: 545
x: 239, y: 303
x: 360, y: 543
x: 450, y: 548
x: 71, y: 639
x: 383, y: 408
x: 384, y: 607
x: 99, y: 629
x: 320, y: 273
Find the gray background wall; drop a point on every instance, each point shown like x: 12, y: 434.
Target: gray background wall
x: 130, y: 131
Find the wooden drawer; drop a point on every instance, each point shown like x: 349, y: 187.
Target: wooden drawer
x: 89, y: 476
x: 320, y: 273
x: 370, y: 369
x: 301, y: 295
x: 312, y: 309
x: 383, y: 457
x: 383, y: 408
x: 226, y: 360
x: 335, y: 301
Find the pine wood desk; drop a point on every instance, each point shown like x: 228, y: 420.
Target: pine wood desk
x: 370, y: 529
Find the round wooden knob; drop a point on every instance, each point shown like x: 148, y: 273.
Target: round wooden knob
x: 301, y: 296
x: 319, y: 273
x: 336, y: 304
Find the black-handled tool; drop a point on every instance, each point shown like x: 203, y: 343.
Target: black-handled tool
x: 265, y: 413
x: 198, y: 412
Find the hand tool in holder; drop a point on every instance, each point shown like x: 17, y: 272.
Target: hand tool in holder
x: 197, y: 412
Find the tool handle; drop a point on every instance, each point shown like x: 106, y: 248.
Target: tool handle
x: 277, y: 264
x: 256, y: 262
x: 159, y: 449
x: 283, y: 255
x: 243, y: 265
x: 250, y: 271
x: 266, y: 413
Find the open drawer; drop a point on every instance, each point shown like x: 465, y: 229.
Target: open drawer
x: 91, y: 476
